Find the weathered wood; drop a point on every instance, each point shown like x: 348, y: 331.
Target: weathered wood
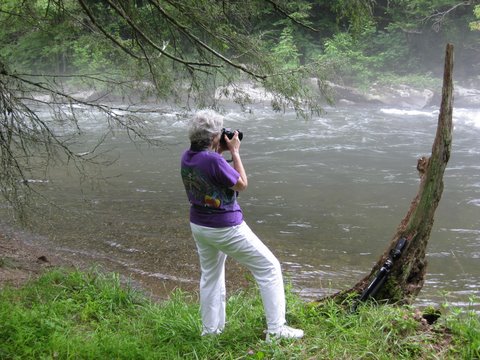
x: 407, y: 275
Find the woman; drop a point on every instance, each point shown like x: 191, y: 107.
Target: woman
x: 218, y: 228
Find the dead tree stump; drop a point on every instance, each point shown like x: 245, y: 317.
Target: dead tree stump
x: 406, y: 275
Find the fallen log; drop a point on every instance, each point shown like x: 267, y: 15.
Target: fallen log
x: 399, y: 274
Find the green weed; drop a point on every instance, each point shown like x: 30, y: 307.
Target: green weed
x: 91, y: 315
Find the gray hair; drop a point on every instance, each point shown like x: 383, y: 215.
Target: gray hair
x: 203, y: 127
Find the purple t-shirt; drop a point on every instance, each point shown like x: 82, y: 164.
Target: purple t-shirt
x: 207, y: 178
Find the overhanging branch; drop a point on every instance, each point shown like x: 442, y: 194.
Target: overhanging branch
x: 286, y: 14
x: 194, y: 38
x: 134, y: 26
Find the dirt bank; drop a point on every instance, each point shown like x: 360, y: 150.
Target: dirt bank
x: 20, y: 262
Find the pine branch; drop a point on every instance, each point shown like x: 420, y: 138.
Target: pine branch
x: 134, y: 26
x: 287, y: 15
x: 195, y: 39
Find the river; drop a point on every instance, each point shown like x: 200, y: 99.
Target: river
x: 325, y: 194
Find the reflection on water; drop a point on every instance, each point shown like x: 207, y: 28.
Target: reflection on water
x: 325, y: 195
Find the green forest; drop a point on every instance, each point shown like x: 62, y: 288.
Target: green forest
x: 191, y: 53
x: 192, y: 46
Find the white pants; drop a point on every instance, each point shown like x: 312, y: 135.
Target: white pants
x: 239, y: 242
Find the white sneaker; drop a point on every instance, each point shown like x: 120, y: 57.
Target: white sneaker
x: 214, y: 332
x: 284, y: 332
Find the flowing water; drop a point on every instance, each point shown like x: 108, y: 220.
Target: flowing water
x: 326, y: 196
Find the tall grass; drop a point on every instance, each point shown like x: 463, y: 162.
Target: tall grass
x: 90, y: 315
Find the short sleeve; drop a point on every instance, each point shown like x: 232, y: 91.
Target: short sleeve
x: 223, y: 173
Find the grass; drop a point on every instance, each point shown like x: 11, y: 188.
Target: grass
x: 91, y: 315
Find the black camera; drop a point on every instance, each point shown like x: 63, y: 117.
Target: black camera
x: 229, y: 132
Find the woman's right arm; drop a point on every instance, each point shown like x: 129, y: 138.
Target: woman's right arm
x: 242, y: 182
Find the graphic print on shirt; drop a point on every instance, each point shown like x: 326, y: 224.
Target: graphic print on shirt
x: 202, y: 192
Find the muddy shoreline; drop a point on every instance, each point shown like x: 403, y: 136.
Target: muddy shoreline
x: 21, y: 262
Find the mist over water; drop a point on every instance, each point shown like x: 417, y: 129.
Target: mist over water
x: 326, y: 196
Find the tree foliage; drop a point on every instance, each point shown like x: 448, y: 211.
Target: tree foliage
x: 475, y: 25
x: 184, y: 51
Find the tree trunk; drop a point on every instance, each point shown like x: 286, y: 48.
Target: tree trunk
x: 401, y: 274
